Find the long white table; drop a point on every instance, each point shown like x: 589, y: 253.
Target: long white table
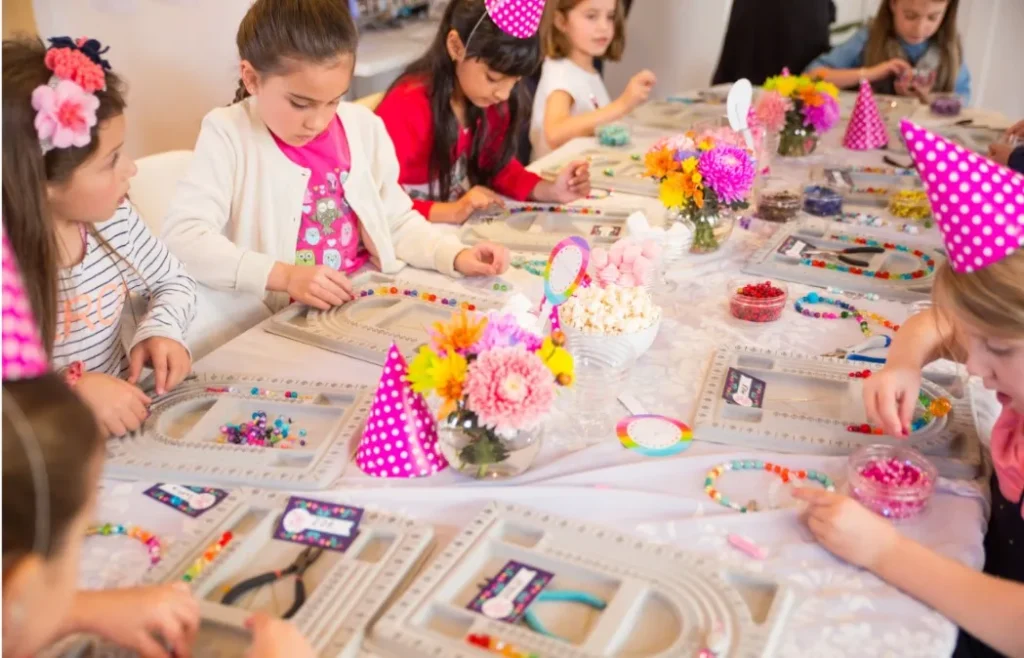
x: 843, y: 611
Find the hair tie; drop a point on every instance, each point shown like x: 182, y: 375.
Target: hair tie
x: 66, y: 105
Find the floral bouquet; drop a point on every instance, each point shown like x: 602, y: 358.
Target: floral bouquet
x: 800, y: 108
x: 702, y: 179
x: 497, y: 382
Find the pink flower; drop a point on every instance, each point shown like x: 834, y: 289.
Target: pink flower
x: 824, y: 116
x: 509, y: 389
x: 770, y: 110
x: 64, y: 114
x: 68, y: 64
x: 729, y: 171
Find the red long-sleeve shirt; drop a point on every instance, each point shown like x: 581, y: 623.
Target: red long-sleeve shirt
x: 409, y: 120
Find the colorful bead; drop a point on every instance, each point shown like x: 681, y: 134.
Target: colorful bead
x: 786, y: 474
x: 822, y: 201
x: 496, y: 645
x: 910, y: 204
x: 847, y: 310
x: 206, y: 557
x: 258, y: 433
x: 888, y: 486
x: 148, y: 539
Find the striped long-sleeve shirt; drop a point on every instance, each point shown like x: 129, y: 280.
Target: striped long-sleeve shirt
x: 93, y: 293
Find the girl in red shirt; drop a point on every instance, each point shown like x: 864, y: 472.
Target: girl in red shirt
x: 449, y: 116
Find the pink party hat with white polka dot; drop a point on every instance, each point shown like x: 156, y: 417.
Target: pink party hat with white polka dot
x: 519, y: 18
x: 400, y: 438
x: 978, y: 204
x: 24, y: 356
x: 866, y: 129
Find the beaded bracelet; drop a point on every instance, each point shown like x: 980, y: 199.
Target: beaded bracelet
x: 757, y: 465
x: 847, y: 310
x: 208, y: 556
x: 151, y: 541
x: 928, y: 261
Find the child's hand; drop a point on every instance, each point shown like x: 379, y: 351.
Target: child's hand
x: 846, y: 528
x: 168, y: 358
x: 318, y: 286
x: 275, y: 638
x: 477, y: 198
x: 142, y: 618
x: 890, y: 396
x: 572, y: 183
x: 1016, y: 130
x: 1000, y: 152
x: 119, y: 407
x: 900, y: 68
x: 638, y: 90
x: 482, y: 259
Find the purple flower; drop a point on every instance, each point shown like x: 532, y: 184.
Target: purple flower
x: 822, y: 117
x: 682, y: 156
x: 729, y: 171
x: 503, y: 331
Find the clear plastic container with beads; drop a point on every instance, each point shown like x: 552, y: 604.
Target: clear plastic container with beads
x: 892, y: 481
x: 909, y: 201
x: 778, y: 200
x: 753, y: 301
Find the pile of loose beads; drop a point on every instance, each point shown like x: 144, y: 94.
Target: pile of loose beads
x: 615, y: 134
x: 780, y: 206
x: 425, y: 296
x: 894, y: 488
x: 758, y: 302
x: 151, y: 541
x: 261, y: 433
x: 860, y: 374
x: 870, y: 191
x: 929, y: 262
x: 910, y: 204
x: 208, y: 556
x: 822, y: 201
x: 757, y: 465
x: 258, y: 392
x: 848, y: 311
x: 495, y: 645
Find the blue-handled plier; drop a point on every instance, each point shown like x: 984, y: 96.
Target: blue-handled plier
x: 856, y: 352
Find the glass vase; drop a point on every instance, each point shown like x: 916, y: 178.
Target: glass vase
x: 709, y: 232
x: 797, y: 140
x: 483, y: 453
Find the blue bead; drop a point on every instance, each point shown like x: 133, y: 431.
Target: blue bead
x: 812, y: 297
x: 254, y: 391
x: 302, y: 432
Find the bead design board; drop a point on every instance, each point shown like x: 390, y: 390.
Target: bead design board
x: 870, y: 187
x: 179, y: 442
x: 770, y: 261
x: 809, y: 403
x: 616, y: 170
x: 667, y: 115
x: 660, y: 601
x: 346, y: 591
x: 541, y: 231
x: 386, y: 310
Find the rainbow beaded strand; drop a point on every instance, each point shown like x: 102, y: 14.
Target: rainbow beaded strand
x: 425, y: 296
x: 150, y: 540
x: 208, y: 556
x: 497, y: 645
x: 757, y: 465
x: 847, y: 310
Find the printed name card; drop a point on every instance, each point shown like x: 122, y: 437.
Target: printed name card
x: 194, y: 501
x: 507, y: 595
x: 793, y: 248
x: 316, y: 523
x: 743, y: 389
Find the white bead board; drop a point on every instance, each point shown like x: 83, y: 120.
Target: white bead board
x: 784, y: 425
x: 542, y: 231
x: 366, y: 327
x: 668, y: 115
x: 346, y: 592
x: 767, y: 262
x: 169, y: 448
x: 661, y: 601
x: 846, y: 179
x: 627, y: 173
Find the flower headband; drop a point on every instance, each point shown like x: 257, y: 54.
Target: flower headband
x: 66, y: 105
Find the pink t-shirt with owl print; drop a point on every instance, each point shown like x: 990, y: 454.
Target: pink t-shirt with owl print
x: 329, y: 230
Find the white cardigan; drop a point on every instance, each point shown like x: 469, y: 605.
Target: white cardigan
x: 237, y: 210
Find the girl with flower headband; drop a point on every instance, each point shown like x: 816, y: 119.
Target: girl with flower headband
x: 65, y: 185
x: 978, y: 314
x: 52, y: 459
x: 453, y: 114
x: 290, y: 191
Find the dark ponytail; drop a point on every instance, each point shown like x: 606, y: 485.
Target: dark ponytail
x: 307, y: 30
x: 501, y: 52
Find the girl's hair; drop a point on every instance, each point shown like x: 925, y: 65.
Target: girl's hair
x: 50, y: 438
x: 502, y: 53
x: 556, y: 43
x: 26, y: 172
x: 312, y: 31
x: 883, y: 29
x: 990, y: 300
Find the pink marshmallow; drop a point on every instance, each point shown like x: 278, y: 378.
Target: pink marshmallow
x: 615, y: 253
x: 630, y: 253
x: 599, y: 258
x: 626, y: 280
x: 651, y: 250
x: 608, y: 275
x: 642, y: 268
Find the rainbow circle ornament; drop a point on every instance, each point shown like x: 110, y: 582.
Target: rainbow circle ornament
x: 652, y: 435
x: 566, y: 269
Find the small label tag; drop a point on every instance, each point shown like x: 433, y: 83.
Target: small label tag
x: 506, y: 596
x: 743, y: 390
x: 794, y: 248
x: 317, y: 523
x: 194, y: 501
x: 605, y: 230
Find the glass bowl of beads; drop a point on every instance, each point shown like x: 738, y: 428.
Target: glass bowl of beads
x: 946, y: 105
x: 892, y: 481
x: 614, y: 134
x: 822, y: 201
x: 779, y: 200
x: 910, y: 203
x: 757, y: 300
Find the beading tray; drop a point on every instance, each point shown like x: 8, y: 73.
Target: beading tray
x: 540, y: 231
x: 612, y: 169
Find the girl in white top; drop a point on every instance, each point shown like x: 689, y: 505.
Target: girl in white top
x: 289, y: 189
x: 571, y: 99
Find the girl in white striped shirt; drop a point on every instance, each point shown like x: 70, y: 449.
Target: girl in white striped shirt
x: 83, y: 247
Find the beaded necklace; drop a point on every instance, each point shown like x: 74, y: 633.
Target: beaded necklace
x: 847, y: 311
x: 208, y: 556
x: 148, y: 539
x: 928, y: 261
x: 424, y: 296
x: 757, y: 465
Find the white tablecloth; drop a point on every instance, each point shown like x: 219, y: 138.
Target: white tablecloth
x: 843, y: 611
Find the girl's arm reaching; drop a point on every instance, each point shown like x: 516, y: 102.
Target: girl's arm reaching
x: 560, y: 125
x: 843, y: 66
x: 989, y: 608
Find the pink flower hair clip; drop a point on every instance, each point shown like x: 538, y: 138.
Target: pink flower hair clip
x: 66, y: 106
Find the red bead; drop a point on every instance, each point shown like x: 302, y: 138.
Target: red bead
x: 865, y: 428
x: 802, y: 475
x: 394, y: 291
x: 768, y: 466
x: 472, y: 307
x: 851, y: 428
x: 856, y: 270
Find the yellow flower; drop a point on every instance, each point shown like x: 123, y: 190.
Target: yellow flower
x: 706, y: 144
x: 697, y: 178
x: 827, y: 88
x: 449, y: 374
x: 660, y: 163
x: 558, y: 361
x: 785, y: 85
x: 771, y: 83
x: 689, y: 165
x: 672, y: 190
x: 461, y: 333
x: 421, y: 370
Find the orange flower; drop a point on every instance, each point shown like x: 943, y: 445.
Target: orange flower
x: 811, y: 97
x: 660, y: 163
x: 459, y: 334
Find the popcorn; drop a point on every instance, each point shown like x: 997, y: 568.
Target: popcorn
x: 613, y: 310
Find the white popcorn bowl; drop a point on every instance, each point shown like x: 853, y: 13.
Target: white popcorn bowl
x: 641, y: 341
